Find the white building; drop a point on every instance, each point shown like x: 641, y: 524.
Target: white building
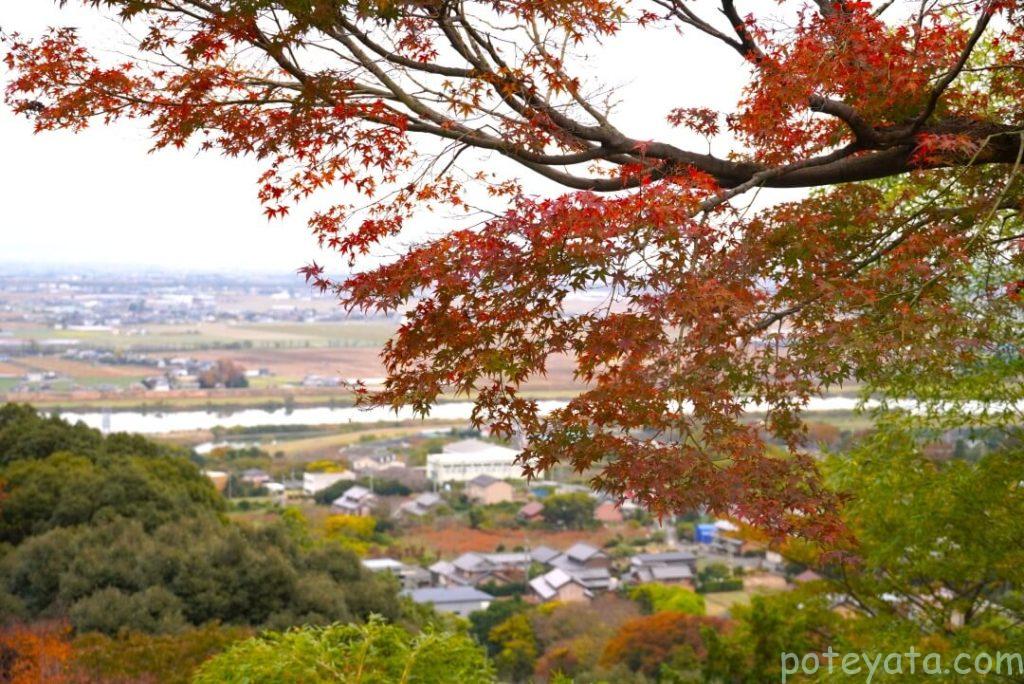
x: 315, y: 482
x: 462, y: 461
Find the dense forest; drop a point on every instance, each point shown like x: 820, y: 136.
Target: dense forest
x: 122, y: 544
x: 119, y: 533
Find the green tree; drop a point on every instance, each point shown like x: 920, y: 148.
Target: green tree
x: 937, y: 558
x: 27, y: 434
x: 104, y: 477
x: 792, y: 622
x: 718, y: 577
x: 328, y: 494
x: 376, y: 652
x: 214, y: 571
x: 517, y: 647
x: 224, y: 373
x: 574, y: 511
x: 483, y: 621
x: 654, y: 598
x: 154, y: 610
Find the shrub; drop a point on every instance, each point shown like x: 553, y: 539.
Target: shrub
x: 375, y: 651
x: 655, y: 598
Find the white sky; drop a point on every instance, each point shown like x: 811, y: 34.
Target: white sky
x: 100, y: 198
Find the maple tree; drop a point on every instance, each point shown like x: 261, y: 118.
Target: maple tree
x: 906, y: 259
x: 645, y: 643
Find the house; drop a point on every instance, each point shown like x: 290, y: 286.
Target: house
x: 474, y: 568
x: 486, y: 490
x: 728, y: 545
x: 365, y: 464
x: 594, y: 579
x: 365, y: 458
x: 559, y: 585
x: 581, y: 556
x: 356, y: 500
x: 444, y: 574
x: 316, y: 482
x: 587, y: 564
x: 509, y: 562
x: 641, y: 566
x: 411, y: 576
x: 544, y: 554
x: 608, y: 512
x: 314, y: 380
x: 664, y: 574
x: 459, y: 600
x: 531, y: 512
x: 463, y: 460
x: 255, y: 476
x: 420, y: 505
x: 753, y: 549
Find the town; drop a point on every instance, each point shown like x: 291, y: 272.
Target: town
x: 472, y: 489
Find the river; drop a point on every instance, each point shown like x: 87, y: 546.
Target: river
x: 151, y: 423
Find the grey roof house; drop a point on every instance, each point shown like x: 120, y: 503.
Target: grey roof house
x: 459, y: 600
x: 356, y: 500
x: 669, y: 567
x: 420, y: 505
x: 581, y: 555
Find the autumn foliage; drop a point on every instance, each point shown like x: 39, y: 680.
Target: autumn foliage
x: 35, y: 653
x: 905, y: 261
x: 645, y: 643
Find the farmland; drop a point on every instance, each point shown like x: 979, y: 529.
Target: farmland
x: 142, y: 342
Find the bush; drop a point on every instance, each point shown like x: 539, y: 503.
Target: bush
x: 154, y: 610
x: 375, y: 651
x: 655, y: 598
x: 167, y: 658
x: 717, y: 577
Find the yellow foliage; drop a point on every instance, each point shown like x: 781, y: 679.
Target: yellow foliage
x: 325, y: 466
x: 340, y: 527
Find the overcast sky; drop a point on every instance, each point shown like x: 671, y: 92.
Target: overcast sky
x: 100, y: 197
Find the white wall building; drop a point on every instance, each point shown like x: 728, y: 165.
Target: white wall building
x: 315, y: 482
x: 464, y: 460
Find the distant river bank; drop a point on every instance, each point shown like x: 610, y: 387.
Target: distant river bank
x: 153, y: 422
